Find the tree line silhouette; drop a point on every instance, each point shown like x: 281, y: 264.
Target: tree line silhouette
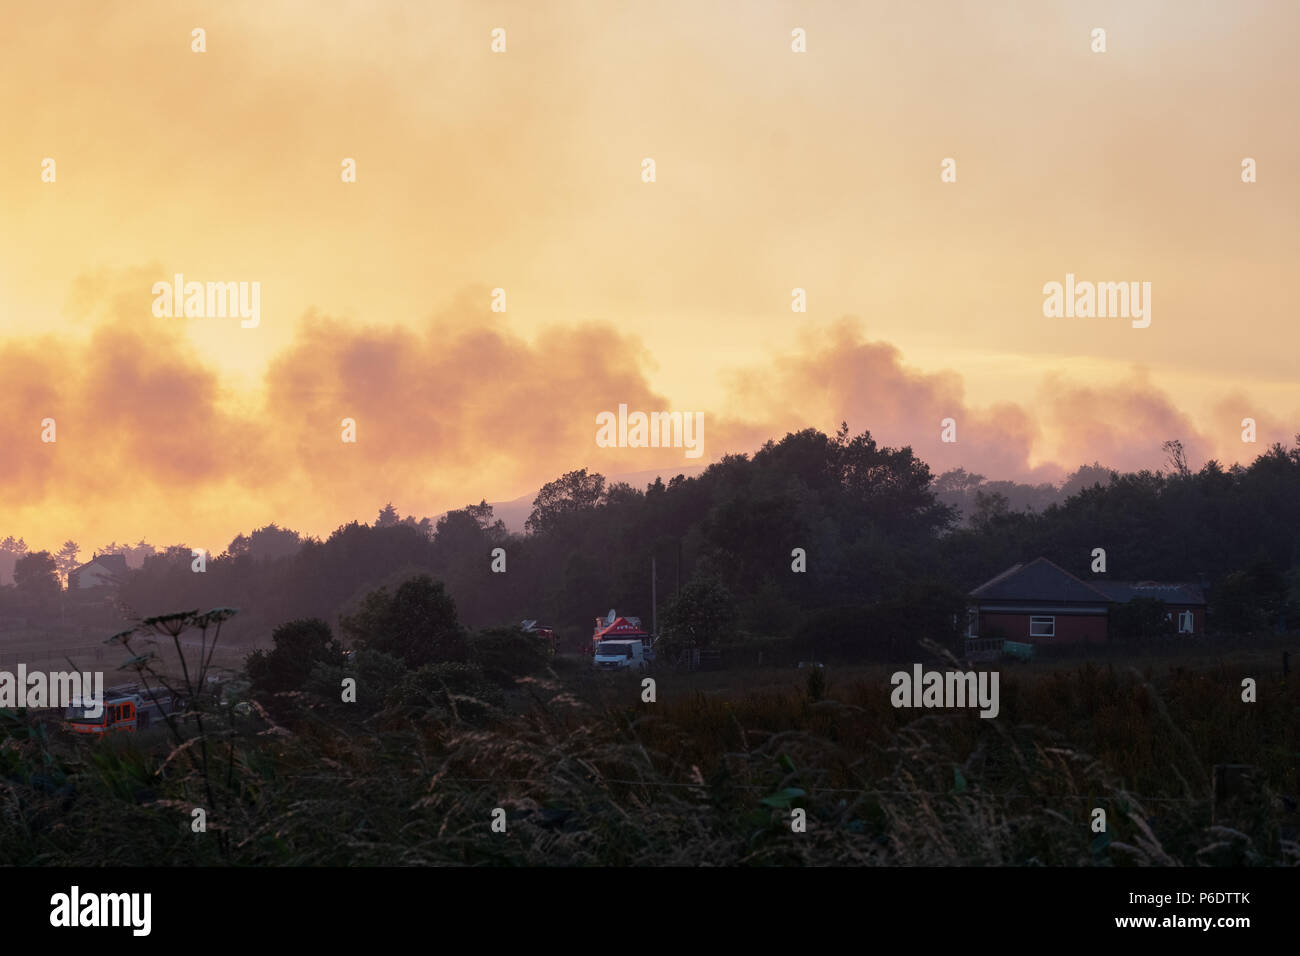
x: 889, y: 549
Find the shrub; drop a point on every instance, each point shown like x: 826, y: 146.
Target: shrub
x: 451, y: 689
x: 377, y: 675
x: 1140, y: 618
x: 505, y: 653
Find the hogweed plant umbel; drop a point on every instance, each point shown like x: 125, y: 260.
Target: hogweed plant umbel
x: 191, y: 696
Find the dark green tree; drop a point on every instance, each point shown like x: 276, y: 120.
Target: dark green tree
x: 298, y: 647
x: 564, y: 497
x: 36, y: 576
x: 388, y: 517
x: 417, y: 623
x: 704, y: 613
x: 268, y: 543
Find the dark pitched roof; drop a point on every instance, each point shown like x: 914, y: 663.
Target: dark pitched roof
x: 1121, y: 591
x: 114, y: 564
x: 1039, y: 580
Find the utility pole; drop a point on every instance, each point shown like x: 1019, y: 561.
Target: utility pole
x: 654, y: 601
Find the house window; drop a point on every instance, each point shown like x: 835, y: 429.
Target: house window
x: 972, y: 622
x: 1042, y: 627
x: 1186, y: 622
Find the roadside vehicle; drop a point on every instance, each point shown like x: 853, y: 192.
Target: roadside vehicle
x: 119, y: 714
x: 621, y: 655
x: 542, y: 631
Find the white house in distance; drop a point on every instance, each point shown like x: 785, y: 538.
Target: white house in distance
x: 101, y: 571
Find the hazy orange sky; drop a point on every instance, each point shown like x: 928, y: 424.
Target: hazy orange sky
x: 522, y: 170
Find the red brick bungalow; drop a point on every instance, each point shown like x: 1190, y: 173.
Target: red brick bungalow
x: 1040, y: 602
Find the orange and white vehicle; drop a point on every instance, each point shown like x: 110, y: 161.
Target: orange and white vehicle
x: 127, y: 713
x: 116, y: 714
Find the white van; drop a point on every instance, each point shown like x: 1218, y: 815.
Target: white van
x: 620, y: 655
